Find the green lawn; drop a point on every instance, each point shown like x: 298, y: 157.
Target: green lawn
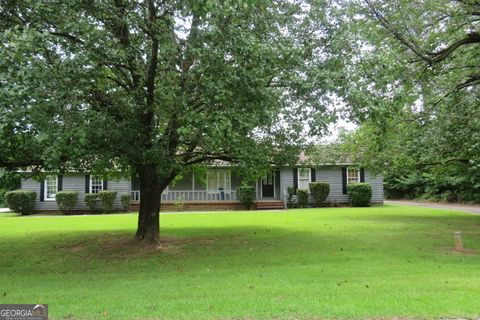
x: 308, y: 264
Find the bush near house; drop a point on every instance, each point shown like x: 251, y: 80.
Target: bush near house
x: 290, y: 194
x: 360, y: 194
x: 107, y: 199
x: 319, y: 191
x: 21, y: 201
x: 91, y: 199
x: 125, y: 199
x: 2, y: 197
x: 66, y: 200
x: 246, y: 196
x: 302, y: 198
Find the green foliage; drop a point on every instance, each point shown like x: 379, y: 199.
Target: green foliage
x: 21, y: 201
x: 2, y: 197
x: 66, y: 200
x: 179, y: 204
x: 290, y: 195
x: 319, y: 191
x: 92, y: 201
x: 451, y: 183
x: 246, y: 196
x: 144, y: 88
x: 360, y: 194
x: 125, y: 199
x: 416, y: 95
x: 8, y: 181
x: 302, y: 198
x: 107, y: 199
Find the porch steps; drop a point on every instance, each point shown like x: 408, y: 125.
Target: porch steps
x: 270, y: 205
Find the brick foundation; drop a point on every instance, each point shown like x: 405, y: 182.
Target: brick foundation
x: 195, y: 206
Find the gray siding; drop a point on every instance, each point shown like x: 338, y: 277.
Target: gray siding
x: 333, y: 176
x: 185, y: 183
x: 330, y: 174
x: 377, y: 186
x: 76, y: 182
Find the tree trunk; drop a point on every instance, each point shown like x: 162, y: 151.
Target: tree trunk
x: 151, y: 188
x: 148, y: 229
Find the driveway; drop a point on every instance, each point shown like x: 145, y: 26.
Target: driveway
x: 475, y: 209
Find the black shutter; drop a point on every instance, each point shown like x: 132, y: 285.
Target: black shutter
x: 87, y: 183
x: 60, y: 183
x: 344, y: 180
x: 42, y: 190
x: 295, y: 178
x: 313, y: 175
x: 362, y: 175
x: 105, y: 185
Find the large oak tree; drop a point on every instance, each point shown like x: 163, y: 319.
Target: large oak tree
x: 152, y: 87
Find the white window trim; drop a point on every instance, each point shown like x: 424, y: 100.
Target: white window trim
x: 91, y: 177
x: 45, y: 190
x: 358, y: 175
x: 309, y: 177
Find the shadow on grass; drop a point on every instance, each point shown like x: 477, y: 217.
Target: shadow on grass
x: 244, y: 244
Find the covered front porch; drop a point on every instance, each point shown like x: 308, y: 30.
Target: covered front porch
x: 216, y: 187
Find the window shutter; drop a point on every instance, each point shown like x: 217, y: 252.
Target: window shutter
x: 344, y: 180
x: 42, y: 190
x: 312, y: 175
x: 105, y: 185
x: 362, y: 175
x: 60, y: 183
x: 87, y: 183
x: 295, y: 178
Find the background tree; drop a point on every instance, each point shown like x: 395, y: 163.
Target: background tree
x: 413, y: 70
x: 153, y: 87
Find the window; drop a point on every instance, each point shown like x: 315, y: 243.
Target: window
x: 268, y: 178
x: 51, y: 187
x: 304, y: 178
x: 96, y: 184
x: 353, y: 175
x: 218, y: 178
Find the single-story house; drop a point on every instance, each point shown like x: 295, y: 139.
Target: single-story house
x: 213, y: 189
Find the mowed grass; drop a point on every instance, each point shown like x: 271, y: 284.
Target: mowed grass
x: 378, y: 262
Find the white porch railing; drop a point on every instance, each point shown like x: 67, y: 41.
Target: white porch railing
x: 190, y: 195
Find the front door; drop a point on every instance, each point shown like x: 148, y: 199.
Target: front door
x: 268, y: 185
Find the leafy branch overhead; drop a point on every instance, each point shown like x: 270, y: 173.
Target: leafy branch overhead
x: 415, y: 73
x: 188, y: 80
x: 152, y: 87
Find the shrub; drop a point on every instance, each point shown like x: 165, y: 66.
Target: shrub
x: 302, y: 198
x: 21, y: 201
x: 320, y: 191
x: 2, y: 196
x: 246, y: 196
x: 290, y: 194
x: 125, y: 199
x: 91, y: 199
x: 359, y: 194
x: 66, y: 200
x: 107, y: 199
x: 179, y: 204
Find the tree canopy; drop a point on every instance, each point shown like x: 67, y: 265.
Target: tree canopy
x: 414, y: 89
x: 152, y: 87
